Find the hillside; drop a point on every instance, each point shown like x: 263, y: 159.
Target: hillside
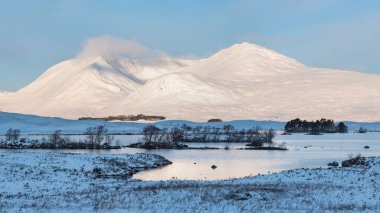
x: 31, y: 124
x: 244, y: 81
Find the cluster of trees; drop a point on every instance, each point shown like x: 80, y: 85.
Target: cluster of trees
x: 96, y: 138
x: 128, y: 118
x: 215, y: 120
x: 341, y: 128
x: 319, y: 126
x: 99, y: 135
x: 12, y: 134
x: 227, y: 133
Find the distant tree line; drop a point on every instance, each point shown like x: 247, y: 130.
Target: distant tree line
x: 127, y: 118
x: 319, y: 126
x: 214, y: 120
x: 95, y: 138
x: 227, y: 133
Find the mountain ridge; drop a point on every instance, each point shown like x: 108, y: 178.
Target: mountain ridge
x: 244, y: 81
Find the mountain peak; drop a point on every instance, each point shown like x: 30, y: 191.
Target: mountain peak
x: 243, y: 81
x: 257, y: 51
x: 247, y: 45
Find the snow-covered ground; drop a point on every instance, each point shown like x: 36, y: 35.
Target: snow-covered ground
x: 57, y: 182
x: 31, y: 124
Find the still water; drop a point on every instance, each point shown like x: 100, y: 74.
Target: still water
x: 304, y: 151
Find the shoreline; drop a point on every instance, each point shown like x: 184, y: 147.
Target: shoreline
x: 26, y: 179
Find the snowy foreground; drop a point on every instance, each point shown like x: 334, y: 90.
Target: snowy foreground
x: 39, y: 181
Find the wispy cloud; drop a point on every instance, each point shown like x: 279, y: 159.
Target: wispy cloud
x: 110, y: 46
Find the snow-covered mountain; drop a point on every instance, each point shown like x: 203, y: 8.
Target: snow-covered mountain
x: 245, y: 81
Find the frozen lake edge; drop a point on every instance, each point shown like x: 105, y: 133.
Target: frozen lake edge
x: 39, y: 182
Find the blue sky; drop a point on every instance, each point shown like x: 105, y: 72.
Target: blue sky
x: 326, y: 33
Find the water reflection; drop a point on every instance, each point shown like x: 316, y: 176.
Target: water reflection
x: 304, y: 151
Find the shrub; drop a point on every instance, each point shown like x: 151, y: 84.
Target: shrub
x: 358, y: 160
x: 334, y: 164
x: 97, y: 171
x: 341, y: 128
x: 256, y: 142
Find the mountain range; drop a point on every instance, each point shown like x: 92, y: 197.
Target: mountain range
x: 244, y: 81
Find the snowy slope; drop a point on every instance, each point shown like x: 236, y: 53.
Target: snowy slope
x: 148, y: 69
x: 82, y: 87
x: 31, y: 124
x: 74, y: 87
x: 278, y: 88
x: 246, y: 61
x: 244, y: 81
x: 180, y: 95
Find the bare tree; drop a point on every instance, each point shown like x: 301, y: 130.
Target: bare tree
x: 269, y: 135
x: 12, y: 134
x: 55, y: 137
x: 96, y: 135
x: 151, y: 133
x: 8, y: 134
x: 163, y: 137
x: 101, y: 132
x: 109, y: 140
x: 216, y: 132
x: 16, y: 134
x: 90, y: 136
x: 177, y: 134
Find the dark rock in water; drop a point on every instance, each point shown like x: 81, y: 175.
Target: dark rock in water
x: 334, y: 164
x: 195, y: 163
x: 366, y: 147
x: 213, y: 167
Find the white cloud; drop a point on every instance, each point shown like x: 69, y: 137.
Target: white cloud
x: 110, y: 46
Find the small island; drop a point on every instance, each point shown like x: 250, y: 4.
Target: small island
x: 127, y: 118
x: 156, y: 138
x: 314, y: 127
